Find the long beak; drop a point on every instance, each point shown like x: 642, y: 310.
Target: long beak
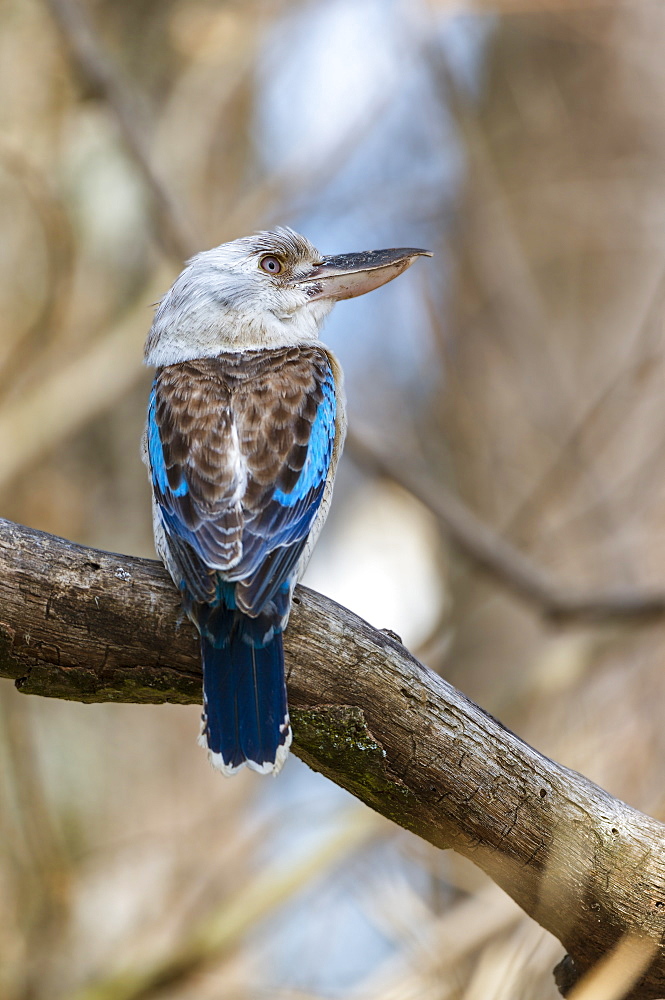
x: 351, y: 274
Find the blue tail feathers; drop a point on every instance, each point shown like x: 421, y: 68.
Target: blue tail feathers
x: 245, y: 714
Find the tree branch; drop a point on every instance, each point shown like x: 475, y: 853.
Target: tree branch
x: 499, y: 559
x: 92, y: 626
x: 99, y: 71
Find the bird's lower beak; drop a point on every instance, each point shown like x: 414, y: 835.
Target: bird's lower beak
x: 351, y: 274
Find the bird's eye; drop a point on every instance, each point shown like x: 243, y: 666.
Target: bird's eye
x: 271, y: 264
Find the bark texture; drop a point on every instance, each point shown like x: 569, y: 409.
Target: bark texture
x: 87, y: 625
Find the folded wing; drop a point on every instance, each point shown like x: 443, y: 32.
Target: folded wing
x: 240, y: 447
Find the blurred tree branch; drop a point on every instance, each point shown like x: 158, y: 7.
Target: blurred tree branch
x: 102, y: 76
x: 494, y: 555
x: 87, y: 625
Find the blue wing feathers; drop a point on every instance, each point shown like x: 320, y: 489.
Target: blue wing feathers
x: 319, y: 449
x: 262, y: 589
x: 283, y: 523
x: 157, y: 464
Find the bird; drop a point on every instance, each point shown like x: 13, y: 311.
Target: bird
x: 246, y: 423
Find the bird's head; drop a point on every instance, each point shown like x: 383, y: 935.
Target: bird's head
x: 263, y: 291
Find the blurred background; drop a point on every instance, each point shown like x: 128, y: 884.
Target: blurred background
x: 521, y: 369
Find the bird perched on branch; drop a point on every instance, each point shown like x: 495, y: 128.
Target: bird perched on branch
x: 245, y: 426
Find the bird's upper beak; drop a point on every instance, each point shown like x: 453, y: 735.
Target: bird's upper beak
x: 351, y: 274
